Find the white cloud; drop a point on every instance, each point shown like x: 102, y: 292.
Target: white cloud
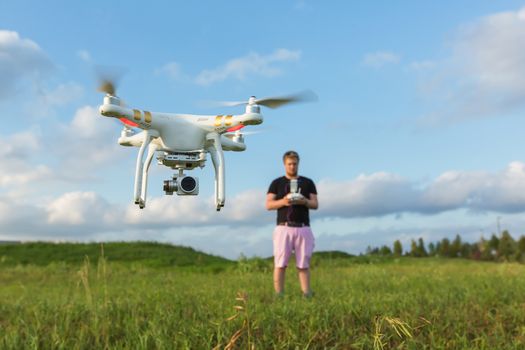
x: 89, y: 137
x: 72, y: 216
x: 485, y: 73
x: 16, y: 173
x: 503, y: 192
x: 19, y: 144
x: 489, y: 50
x: 16, y: 217
x: 25, y: 70
x: 454, y: 189
x: 160, y: 211
x: 21, y: 60
x: 383, y: 194
x: 81, y: 208
x: 367, y: 195
x: 380, y: 59
x: 17, y: 167
x: 245, y: 207
x: 252, y: 64
x: 88, y: 123
x: 70, y: 153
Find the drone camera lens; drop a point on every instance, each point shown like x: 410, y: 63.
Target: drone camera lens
x: 188, y: 184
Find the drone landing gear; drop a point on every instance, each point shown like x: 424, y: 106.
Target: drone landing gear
x: 217, y: 157
x: 141, y: 171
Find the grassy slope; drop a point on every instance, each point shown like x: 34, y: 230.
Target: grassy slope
x: 146, y: 253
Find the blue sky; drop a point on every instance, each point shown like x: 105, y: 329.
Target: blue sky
x: 417, y: 131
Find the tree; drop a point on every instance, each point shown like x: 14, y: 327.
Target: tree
x: 372, y: 251
x: 444, y: 249
x: 485, y: 251
x: 431, y: 249
x: 467, y: 250
x: 521, y: 244
x: 438, y: 248
x: 413, y: 249
x: 421, y: 247
x: 385, y: 251
x: 493, y: 245
x: 507, y: 248
x: 398, y: 248
x: 455, y: 247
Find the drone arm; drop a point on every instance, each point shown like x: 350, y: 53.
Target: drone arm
x: 152, y: 148
x: 217, y: 157
x: 234, y: 143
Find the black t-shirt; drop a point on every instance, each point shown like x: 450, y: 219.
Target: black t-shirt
x: 294, y: 213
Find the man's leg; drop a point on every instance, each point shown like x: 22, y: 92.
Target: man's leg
x: 304, y: 246
x: 278, y: 279
x: 304, y: 280
x: 281, y: 251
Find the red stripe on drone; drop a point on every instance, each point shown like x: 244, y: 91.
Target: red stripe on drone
x: 128, y: 122
x: 235, y: 128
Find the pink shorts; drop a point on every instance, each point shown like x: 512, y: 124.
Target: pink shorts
x: 293, y: 239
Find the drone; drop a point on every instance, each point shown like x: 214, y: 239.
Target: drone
x: 182, y: 141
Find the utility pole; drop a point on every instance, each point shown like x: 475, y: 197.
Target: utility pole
x: 499, y: 230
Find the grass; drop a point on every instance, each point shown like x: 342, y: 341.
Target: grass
x: 381, y: 304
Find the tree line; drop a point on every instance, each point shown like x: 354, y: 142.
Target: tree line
x: 501, y: 247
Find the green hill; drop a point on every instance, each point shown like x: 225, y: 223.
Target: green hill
x: 152, y: 254
x: 146, y: 253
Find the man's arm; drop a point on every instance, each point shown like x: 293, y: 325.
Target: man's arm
x: 311, y: 203
x: 273, y: 204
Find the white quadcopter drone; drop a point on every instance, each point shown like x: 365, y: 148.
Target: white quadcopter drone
x: 183, y: 140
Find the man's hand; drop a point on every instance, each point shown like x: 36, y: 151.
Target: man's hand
x: 301, y: 201
x: 298, y: 199
x: 286, y: 202
x: 273, y: 204
x: 310, y: 203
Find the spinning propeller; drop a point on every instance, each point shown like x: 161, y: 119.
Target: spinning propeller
x: 107, y: 86
x: 270, y: 102
x: 108, y: 78
x: 275, y: 102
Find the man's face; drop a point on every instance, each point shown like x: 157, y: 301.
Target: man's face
x: 291, y: 165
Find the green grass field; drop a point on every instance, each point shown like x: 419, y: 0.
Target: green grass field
x: 152, y: 302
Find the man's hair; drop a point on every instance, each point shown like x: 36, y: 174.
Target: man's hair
x: 290, y: 154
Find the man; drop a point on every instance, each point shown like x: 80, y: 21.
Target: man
x: 292, y: 233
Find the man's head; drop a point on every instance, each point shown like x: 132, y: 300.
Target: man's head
x: 291, y: 163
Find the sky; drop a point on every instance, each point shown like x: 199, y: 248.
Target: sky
x: 417, y: 131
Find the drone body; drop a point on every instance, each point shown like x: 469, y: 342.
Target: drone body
x: 183, y: 141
